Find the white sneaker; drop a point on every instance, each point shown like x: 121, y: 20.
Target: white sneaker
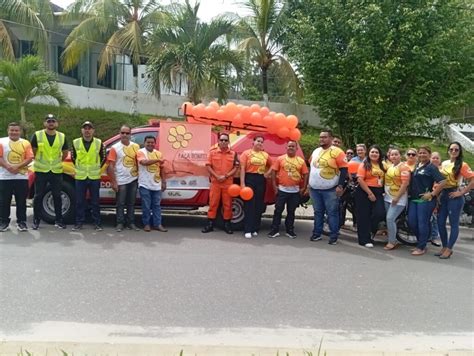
x: 248, y: 235
x: 369, y: 245
x: 255, y: 233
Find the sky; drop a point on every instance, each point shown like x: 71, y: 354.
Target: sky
x: 207, y: 10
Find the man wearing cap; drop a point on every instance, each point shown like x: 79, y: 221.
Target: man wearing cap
x: 50, y: 149
x: 88, y: 155
x: 15, y: 156
x: 123, y: 173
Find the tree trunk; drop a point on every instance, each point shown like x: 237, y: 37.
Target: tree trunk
x: 134, y: 106
x: 265, y: 85
x: 22, y: 115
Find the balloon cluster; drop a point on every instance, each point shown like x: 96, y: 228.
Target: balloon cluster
x: 239, y: 116
x: 246, y: 193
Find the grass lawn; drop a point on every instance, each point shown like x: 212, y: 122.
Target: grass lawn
x: 107, y: 123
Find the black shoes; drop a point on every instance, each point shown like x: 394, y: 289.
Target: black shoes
x: 36, y: 224
x: 208, y: 228
x: 228, y: 228
x: 315, y: 238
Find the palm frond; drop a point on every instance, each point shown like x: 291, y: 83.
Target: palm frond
x: 6, y: 43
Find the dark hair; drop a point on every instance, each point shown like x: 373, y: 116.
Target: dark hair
x: 258, y: 136
x: 426, y: 148
x: 14, y: 124
x: 329, y: 131
x: 292, y: 141
x: 367, y: 162
x: 336, y: 136
x: 459, y: 159
x: 149, y: 137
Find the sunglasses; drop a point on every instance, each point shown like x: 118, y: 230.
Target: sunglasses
x: 411, y: 154
x: 223, y: 140
x: 349, y: 153
x: 50, y: 121
x: 454, y: 150
x: 125, y: 133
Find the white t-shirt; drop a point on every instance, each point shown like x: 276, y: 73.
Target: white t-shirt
x: 149, y: 176
x: 14, y: 152
x: 324, y: 167
x: 125, y: 157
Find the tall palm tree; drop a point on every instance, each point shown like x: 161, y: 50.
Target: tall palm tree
x: 35, y: 16
x: 27, y: 79
x: 123, y: 25
x: 185, y: 46
x: 260, y: 37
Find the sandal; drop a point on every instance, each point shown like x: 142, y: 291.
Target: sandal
x: 391, y: 246
x: 418, y: 252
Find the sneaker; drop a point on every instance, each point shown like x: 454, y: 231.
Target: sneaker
x: 77, y: 227
x: 133, y: 227
x: 119, y: 227
x: 255, y: 233
x: 315, y: 238
x: 369, y: 245
x: 22, y: 226
x: 60, y: 225
x: 36, y: 224
x: 332, y: 242
x: 147, y: 228
x: 248, y: 235
x: 273, y: 233
x: 291, y: 234
x: 4, y: 227
x: 98, y: 228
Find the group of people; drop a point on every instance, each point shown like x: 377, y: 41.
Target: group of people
x: 129, y: 168
x: 385, y: 185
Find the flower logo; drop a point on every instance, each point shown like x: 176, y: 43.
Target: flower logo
x: 179, y: 137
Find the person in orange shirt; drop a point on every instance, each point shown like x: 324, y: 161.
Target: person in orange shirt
x: 370, y: 209
x: 222, y: 163
x: 292, y: 174
x: 15, y: 155
x: 254, y: 164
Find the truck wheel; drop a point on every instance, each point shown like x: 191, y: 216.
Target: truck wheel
x: 237, y: 215
x: 68, y: 204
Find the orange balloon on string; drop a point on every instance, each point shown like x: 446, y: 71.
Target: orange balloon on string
x: 255, y: 118
x: 246, y: 112
x: 264, y: 111
x: 353, y: 167
x: 214, y: 104
x: 292, y: 121
x: 234, y: 190
x: 255, y: 107
x: 283, y: 132
x: 187, y: 108
x: 220, y: 114
x: 237, y: 121
x: 231, y: 109
x: 295, y: 134
x: 198, y: 110
x: 210, y: 112
x: 267, y: 121
x: 246, y: 193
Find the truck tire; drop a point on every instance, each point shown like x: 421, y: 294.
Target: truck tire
x: 237, y: 215
x: 68, y: 204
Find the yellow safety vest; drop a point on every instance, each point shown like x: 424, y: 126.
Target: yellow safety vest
x: 87, y: 162
x: 49, y: 158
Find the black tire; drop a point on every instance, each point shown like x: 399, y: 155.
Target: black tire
x: 237, y: 215
x: 68, y: 204
x: 404, y: 234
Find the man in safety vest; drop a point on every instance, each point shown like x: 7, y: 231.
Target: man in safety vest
x: 15, y: 156
x: 88, y: 155
x: 123, y: 173
x: 50, y: 149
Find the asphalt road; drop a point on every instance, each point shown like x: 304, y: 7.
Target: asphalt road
x: 184, y: 286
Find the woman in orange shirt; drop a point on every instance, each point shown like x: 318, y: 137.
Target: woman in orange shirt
x: 254, y: 164
x: 370, y: 209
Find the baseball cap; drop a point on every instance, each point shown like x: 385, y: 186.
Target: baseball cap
x: 87, y: 123
x: 50, y: 117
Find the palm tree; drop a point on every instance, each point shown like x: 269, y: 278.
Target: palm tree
x: 35, y: 16
x: 184, y: 46
x: 27, y: 79
x: 261, y: 38
x: 123, y: 25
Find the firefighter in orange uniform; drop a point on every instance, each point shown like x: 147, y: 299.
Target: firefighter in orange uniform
x: 222, y: 163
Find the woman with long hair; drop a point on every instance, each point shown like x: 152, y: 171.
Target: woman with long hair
x: 422, y: 198
x: 411, y: 157
x: 397, y: 179
x: 452, y: 197
x: 370, y: 210
x: 254, y: 163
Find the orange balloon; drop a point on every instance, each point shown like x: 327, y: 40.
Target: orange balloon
x: 280, y: 116
x: 237, y: 121
x: 283, y: 132
x: 353, y: 167
x: 295, y: 134
x: 187, y: 108
x: 264, y: 111
x: 246, y: 193
x: 255, y: 107
x: 214, y: 104
x: 234, y: 190
x: 198, y: 110
x: 267, y: 121
x: 292, y: 121
x: 220, y: 114
x: 231, y: 109
x: 255, y: 118
x: 246, y: 112
x: 210, y: 112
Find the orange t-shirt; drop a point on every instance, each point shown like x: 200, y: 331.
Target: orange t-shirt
x: 222, y: 162
x: 290, y: 170
x: 255, y: 162
x: 374, y: 177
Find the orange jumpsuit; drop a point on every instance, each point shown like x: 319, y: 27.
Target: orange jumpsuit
x: 222, y: 162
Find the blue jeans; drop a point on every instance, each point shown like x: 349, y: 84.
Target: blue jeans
x: 151, y: 206
x: 452, y: 208
x: 93, y: 185
x: 419, y: 215
x: 393, y: 212
x: 126, y: 196
x: 325, y: 201
x: 434, y: 227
